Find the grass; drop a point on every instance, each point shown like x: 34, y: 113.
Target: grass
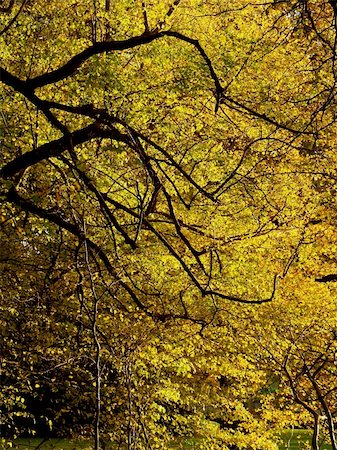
x: 292, y: 440
x: 298, y: 440
x: 50, y: 444
x: 69, y: 444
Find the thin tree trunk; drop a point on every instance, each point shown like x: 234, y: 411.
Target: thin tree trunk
x: 98, y: 380
x: 315, y: 436
x: 97, y: 346
x: 321, y: 399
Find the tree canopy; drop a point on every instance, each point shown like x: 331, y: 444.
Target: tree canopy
x: 168, y: 180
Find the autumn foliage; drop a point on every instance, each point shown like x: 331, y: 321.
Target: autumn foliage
x: 167, y: 221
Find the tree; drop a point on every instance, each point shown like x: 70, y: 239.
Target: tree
x: 298, y: 348
x: 159, y: 164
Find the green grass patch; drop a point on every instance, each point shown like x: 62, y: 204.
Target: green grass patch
x: 76, y: 444
x: 291, y: 440
x: 298, y: 440
x: 50, y: 444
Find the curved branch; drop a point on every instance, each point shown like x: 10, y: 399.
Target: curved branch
x: 204, y: 292
x: 13, y: 197
x: 104, y: 207
x: 13, y: 20
x: 196, y: 44
x: 23, y: 88
x: 57, y: 147
x: 70, y: 67
x: 225, y: 99
x: 89, y: 111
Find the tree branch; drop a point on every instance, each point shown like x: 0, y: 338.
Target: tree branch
x: 57, y: 147
x: 70, y: 67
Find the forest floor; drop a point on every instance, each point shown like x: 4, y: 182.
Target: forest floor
x: 298, y: 440
x: 292, y: 440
